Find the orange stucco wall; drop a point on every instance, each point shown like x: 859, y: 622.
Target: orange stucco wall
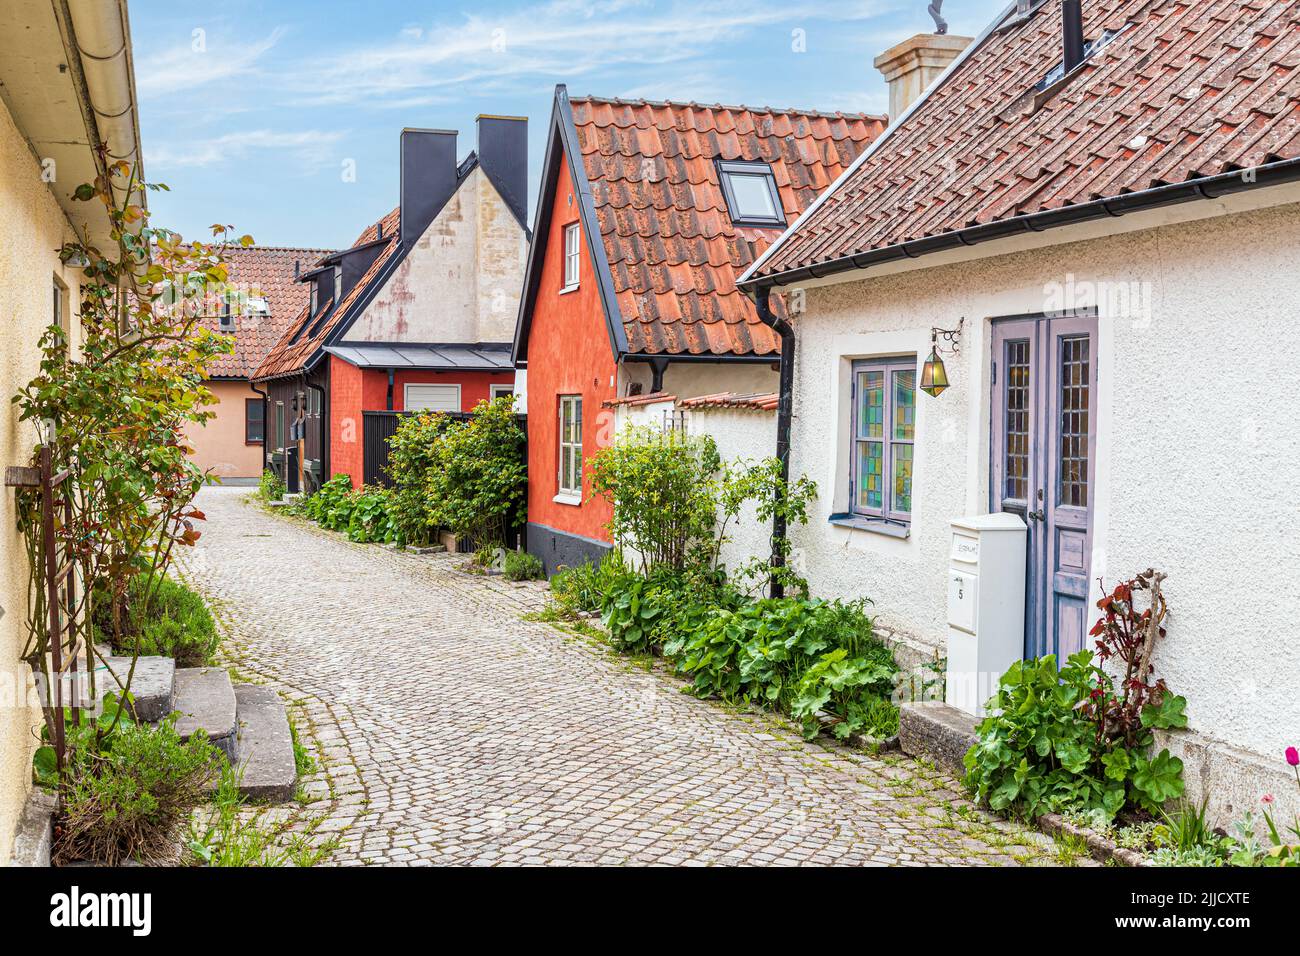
x: 568, y: 354
x: 353, y: 390
x: 219, y: 444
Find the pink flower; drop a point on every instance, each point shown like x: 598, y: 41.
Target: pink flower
x: 1293, y: 756
x: 1266, y: 798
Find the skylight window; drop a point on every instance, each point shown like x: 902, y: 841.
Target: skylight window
x: 751, y: 195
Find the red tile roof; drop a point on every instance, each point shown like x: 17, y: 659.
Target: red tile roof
x: 654, y: 398
x: 1186, y: 90
x: 299, y: 344
x: 672, y: 249
x: 266, y: 271
x: 760, y: 401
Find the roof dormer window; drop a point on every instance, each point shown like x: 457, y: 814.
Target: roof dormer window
x: 338, y: 283
x: 750, y: 191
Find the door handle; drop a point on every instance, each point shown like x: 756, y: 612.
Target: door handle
x: 1035, y: 515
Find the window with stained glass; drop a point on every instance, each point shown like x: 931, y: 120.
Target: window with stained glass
x: 884, y: 433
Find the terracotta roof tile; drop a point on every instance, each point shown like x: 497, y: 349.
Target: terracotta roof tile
x: 672, y: 249
x: 764, y: 401
x: 654, y: 398
x: 266, y: 272
x: 308, y: 333
x: 1185, y: 91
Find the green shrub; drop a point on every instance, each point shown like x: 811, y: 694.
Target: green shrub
x: 477, y: 480
x: 587, y: 587
x: 161, y: 616
x: 673, y: 500
x: 410, y: 459
x: 1041, y: 749
x: 367, y: 514
x: 522, y: 566
x: 130, y: 801
x: 661, y: 486
x: 811, y: 659
x: 270, y: 488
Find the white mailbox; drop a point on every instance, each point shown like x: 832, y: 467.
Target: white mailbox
x: 986, y: 606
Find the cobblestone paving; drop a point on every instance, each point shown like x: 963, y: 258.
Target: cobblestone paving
x: 451, y: 731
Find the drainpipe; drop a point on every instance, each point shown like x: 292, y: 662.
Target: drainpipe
x: 657, y: 368
x: 784, y: 416
x: 266, y: 411
x: 391, y: 377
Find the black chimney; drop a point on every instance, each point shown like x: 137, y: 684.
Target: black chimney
x: 503, y: 154
x: 1072, y: 33
x: 428, y: 178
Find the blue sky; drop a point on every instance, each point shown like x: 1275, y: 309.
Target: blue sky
x: 252, y: 110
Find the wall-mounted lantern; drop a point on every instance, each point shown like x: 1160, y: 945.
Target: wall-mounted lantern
x: 934, y: 377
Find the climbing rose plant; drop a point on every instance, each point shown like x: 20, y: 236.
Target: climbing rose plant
x: 112, y: 409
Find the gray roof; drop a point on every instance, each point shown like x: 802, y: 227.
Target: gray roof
x: 441, y: 357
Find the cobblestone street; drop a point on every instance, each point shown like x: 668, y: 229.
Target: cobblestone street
x: 449, y: 730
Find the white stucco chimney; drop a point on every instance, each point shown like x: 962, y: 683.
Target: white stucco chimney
x: 911, y: 66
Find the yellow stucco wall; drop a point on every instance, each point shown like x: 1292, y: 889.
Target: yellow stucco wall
x: 219, y: 444
x: 32, y: 228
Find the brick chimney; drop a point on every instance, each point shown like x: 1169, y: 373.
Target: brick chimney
x: 911, y: 66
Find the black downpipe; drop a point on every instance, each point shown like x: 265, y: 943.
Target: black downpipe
x: 266, y: 412
x: 784, y: 417
x: 391, y: 377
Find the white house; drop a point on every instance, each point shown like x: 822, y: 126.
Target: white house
x: 1108, y: 233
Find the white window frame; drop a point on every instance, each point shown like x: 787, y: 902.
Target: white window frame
x: 570, y: 452
x: 572, y: 257
x: 497, y: 390
x: 406, y: 395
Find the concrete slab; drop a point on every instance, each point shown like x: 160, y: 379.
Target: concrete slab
x: 205, y: 700
x: 265, y: 745
x: 152, y: 686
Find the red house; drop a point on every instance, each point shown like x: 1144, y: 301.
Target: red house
x: 417, y: 314
x: 647, y: 215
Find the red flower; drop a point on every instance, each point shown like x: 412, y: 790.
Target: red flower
x: 1293, y: 756
x: 1266, y: 798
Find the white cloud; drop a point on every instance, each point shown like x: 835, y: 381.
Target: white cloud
x: 184, y: 68
x: 310, y: 149
x: 557, y: 38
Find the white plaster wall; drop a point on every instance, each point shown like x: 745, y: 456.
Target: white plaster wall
x: 1196, y: 454
x: 460, y: 283
x: 691, y: 379
x: 32, y: 228
x: 748, y: 435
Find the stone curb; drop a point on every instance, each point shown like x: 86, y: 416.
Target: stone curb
x: 35, y: 833
x: 1099, y: 848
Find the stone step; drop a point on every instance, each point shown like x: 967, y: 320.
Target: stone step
x: 153, y: 684
x: 939, y: 731
x: 205, y: 699
x: 267, y: 767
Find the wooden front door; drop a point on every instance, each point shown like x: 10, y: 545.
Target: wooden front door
x: 1044, y: 425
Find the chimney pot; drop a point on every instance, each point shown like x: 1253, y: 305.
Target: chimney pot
x: 911, y: 66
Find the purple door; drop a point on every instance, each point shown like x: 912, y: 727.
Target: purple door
x: 1044, y: 443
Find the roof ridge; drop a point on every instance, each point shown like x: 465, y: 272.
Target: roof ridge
x: 692, y: 104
